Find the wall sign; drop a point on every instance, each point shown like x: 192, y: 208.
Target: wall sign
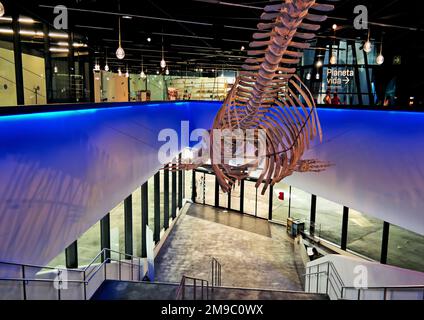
x: 339, y: 77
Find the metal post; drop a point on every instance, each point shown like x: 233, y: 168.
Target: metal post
x: 194, y: 287
x: 359, y: 294
x: 156, y: 200
x: 24, y: 283
x: 105, y: 235
x: 193, y: 186
x: 174, y: 195
x: 128, y: 226
x: 271, y: 194
x: 313, y: 215
x: 345, y: 223
x: 317, y: 279
x: 242, y: 196
x: 71, y: 255
x: 119, y: 255
x: 385, y: 242
x: 17, y: 51
x: 216, y: 191
x: 289, y: 213
x: 166, y: 197
x: 180, y: 186
x: 144, y: 218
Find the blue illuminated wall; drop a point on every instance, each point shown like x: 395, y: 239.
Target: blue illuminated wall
x: 61, y: 172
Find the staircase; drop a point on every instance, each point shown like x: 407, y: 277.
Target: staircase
x: 127, y: 290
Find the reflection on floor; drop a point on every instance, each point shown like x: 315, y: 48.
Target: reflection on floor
x: 253, y: 253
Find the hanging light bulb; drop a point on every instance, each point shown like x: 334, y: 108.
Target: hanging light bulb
x: 55, y: 69
x: 120, y: 53
x: 119, y: 72
x: 163, y: 62
x: 167, y: 71
x: 368, y: 44
x: 106, y: 65
x: 380, y: 57
x: 317, y: 76
x: 319, y: 64
x: 127, y: 74
x: 1, y: 10
x: 308, y: 76
x: 142, y: 74
x: 333, y: 59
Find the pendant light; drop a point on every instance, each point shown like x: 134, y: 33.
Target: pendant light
x: 106, y: 65
x: 380, y: 57
x: 163, y: 62
x: 367, y: 44
x: 127, y: 74
x: 120, y: 53
x: 167, y: 71
x: 333, y: 59
x: 1, y: 10
x: 119, y: 72
x: 142, y: 74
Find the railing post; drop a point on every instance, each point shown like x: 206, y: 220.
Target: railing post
x: 119, y: 255
x: 194, y: 286
x: 24, y: 283
x: 183, y: 289
x: 359, y: 294
x: 317, y: 279
x: 328, y: 277
x: 85, y: 287
x: 202, y: 291
x: 385, y: 293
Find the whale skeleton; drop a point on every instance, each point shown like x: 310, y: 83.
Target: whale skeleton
x: 269, y: 96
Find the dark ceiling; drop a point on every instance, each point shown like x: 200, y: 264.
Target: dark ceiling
x: 210, y: 34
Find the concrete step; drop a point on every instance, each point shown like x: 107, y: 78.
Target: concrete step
x: 127, y: 290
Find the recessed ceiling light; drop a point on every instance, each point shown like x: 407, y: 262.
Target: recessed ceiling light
x: 149, y: 39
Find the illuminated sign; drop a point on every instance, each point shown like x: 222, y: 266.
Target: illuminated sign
x: 339, y: 77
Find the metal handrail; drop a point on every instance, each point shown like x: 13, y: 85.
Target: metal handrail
x: 334, y: 279
x: 204, y: 285
x: 216, y: 280
x: 87, y: 277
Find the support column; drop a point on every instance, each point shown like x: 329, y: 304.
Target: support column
x: 174, y: 195
x: 242, y: 196
x: 105, y: 235
x: 71, y: 255
x: 289, y: 213
x: 193, y: 186
x: 17, y: 54
x: 216, y: 191
x: 144, y: 218
x: 166, y: 197
x: 313, y: 215
x: 48, y: 64
x: 271, y: 194
x: 345, y: 223
x: 180, y: 188
x: 385, y: 242
x: 156, y: 200
x: 128, y: 225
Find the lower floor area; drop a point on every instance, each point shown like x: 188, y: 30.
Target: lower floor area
x: 253, y: 252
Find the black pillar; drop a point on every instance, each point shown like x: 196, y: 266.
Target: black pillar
x: 156, y: 200
x: 242, y: 196
x: 216, y: 191
x: 17, y: 53
x: 71, y: 69
x: 289, y: 202
x: 271, y: 194
x: 174, y: 194
x: 180, y: 188
x: 313, y: 214
x: 128, y: 225
x: 229, y: 200
x: 385, y: 242
x: 345, y: 223
x: 48, y: 64
x: 144, y: 218
x: 105, y: 235
x: 71, y: 255
x: 166, y: 197
x: 193, y: 186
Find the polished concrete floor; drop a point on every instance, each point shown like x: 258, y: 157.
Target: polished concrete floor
x: 253, y: 252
